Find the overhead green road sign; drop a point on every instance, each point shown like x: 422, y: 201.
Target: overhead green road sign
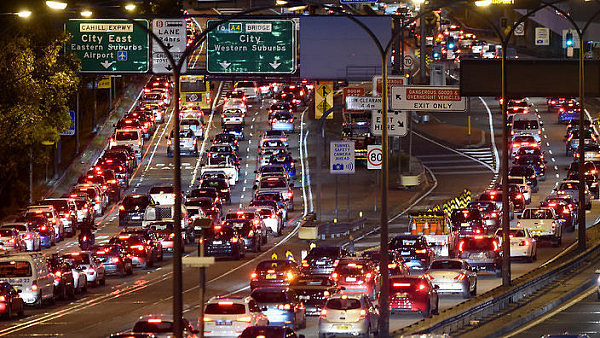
x: 109, y: 45
x: 252, y: 46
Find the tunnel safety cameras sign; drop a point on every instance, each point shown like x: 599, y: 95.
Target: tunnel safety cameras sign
x: 341, y: 157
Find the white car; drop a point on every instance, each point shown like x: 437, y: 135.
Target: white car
x: 571, y: 188
x: 523, y: 186
x: 94, y: 269
x: 348, y: 314
x: 229, y: 316
x: 542, y: 223
x: 30, y: 237
x: 272, y: 220
x: 131, y: 137
x: 161, y: 326
x: 522, y: 244
x: 453, y: 276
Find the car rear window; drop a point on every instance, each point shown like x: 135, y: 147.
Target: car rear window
x: 537, y: 214
x: 126, y: 135
x: 140, y: 201
x: 15, y: 268
x: 270, y: 296
x: 446, y: 264
x: 162, y: 190
x: 155, y: 327
x: 225, y: 308
x: 272, y: 183
x: 526, y: 124
x: 272, y: 265
x: 480, y: 244
x: 266, y: 332
x: 343, y: 304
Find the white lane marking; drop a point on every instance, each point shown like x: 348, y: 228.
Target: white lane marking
x: 165, y: 127
x: 248, y: 149
x: 587, y: 113
x: 545, y: 136
x: 244, y: 188
x: 553, y: 159
x: 557, y: 176
x: 303, y: 156
x: 493, y: 139
x: 555, y: 311
x: 550, y: 151
x: 556, y: 168
x: 253, y: 119
x: 242, y: 197
x: 547, y: 144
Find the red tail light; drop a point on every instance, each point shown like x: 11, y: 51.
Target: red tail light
x: 251, y: 233
x: 121, y: 207
x: 422, y: 287
x: 114, y: 260
x: 334, y: 276
x: 461, y: 246
x: 234, y: 239
x: 253, y: 275
x: 422, y: 251
x: 245, y: 319
x: 138, y: 247
x: 324, y: 313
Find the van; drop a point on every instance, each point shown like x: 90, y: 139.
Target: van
x: 527, y: 124
x: 30, y: 275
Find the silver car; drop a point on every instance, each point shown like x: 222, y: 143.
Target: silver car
x: 348, y: 315
x: 30, y: 237
x: 453, y: 276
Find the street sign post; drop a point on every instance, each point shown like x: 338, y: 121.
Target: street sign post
x: 397, y: 123
x: 172, y: 32
x: 374, y: 156
x: 542, y: 36
x: 109, y: 45
x: 363, y: 103
x: 427, y: 98
x: 71, y: 130
x: 252, y: 46
x: 323, y: 99
x: 341, y: 157
x: 353, y: 91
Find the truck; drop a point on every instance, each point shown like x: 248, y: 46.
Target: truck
x: 221, y: 164
x: 164, y: 213
x: 542, y: 223
x: 437, y: 229
x: 360, y: 133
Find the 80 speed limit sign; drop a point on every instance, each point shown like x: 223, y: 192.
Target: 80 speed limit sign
x: 374, y: 156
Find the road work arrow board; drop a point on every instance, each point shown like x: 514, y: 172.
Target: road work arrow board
x: 172, y: 32
x: 427, y: 98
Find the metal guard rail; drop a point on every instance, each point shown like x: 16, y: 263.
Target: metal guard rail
x: 499, y: 298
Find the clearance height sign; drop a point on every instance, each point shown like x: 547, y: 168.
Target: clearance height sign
x: 109, y: 45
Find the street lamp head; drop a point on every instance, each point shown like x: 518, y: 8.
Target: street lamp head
x: 58, y: 5
x: 130, y: 7
x: 483, y: 3
x: 86, y: 13
x: 24, y: 14
x: 281, y: 2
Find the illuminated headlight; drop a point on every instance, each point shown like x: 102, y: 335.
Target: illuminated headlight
x: 598, y: 279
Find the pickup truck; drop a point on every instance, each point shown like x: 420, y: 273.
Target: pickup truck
x: 542, y: 223
x: 221, y: 164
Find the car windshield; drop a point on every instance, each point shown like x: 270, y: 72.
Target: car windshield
x: 273, y: 265
x: 275, y: 296
x: 139, y: 202
x: 324, y: 252
x: 126, y: 135
x: 446, y: 265
x: 18, y: 227
x: 153, y: 325
x: 273, y: 183
x: 15, y: 269
x: 343, y: 304
x: 225, y: 308
x: 569, y: 186
x: 78, y: 258
x: 214, y: 183
x: 485, y: 243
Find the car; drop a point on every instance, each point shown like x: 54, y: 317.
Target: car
x: 348, y: 314
x: 286, y: 160
x: 11, y: 302
x: 194, y: 125
x: 413, y: 294
x: 249, y: 88
x: 482, y: 252
x: 453, y: 276
x: 277, y: 184
x: 274, y: 273
x: 520, y: 141
x: 222, y: 241
x: 313, y: 292
x: 281, y: 306
x: 276, y: 134
x: 396, y: 264
x: 94, y: 269
x: 490, y: 214
x: 589, y: 168
x: 468, y: 221
x: 233, y: 116
x: 115, y: 259
x: 528, y: 172
x: 131, y: 137
x: 11, y: 241
x: 269, y: 170
x: 249, y: 231
x: 162, y: 324
x: 66, y: 210
x: 283, y: 121
x: 565, y: 210
x: 227, y: 138
x: 229, y: 316
x: 543, y: 224
x: 321, y: 260
x: 355, y: 275
x: 30, y: 237
x: 51, y: 215
x: 221, y: 185
x: 30, y: 276
x: 527, y: 124
x: 151, y: 239
x: 64, y: 281
x: 591, y: 182
x: 523, y: 186
x: 137, y: 249
x: 571, y: 188
x: 572, y: 142
x: 271, y: 219
x: 566, y: 114
x: 522, y: 244
x: 188, y: 143
x: 42, y: 226
x: 414, y: 249
x: 132, y: 208
x: 270, y: 331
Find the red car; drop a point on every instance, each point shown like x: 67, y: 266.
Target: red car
x: 413, y: 294
x: 357, y: 275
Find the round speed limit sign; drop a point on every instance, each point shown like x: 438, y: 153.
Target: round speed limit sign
x: 374, y: 157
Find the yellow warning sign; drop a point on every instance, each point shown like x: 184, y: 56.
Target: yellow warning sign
x: 289, y: 256
x: 323, y: 99
x: 104, y: 82
x: 274, y: 256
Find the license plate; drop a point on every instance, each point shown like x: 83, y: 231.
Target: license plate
x: 223, y: 322
x: 217, y: 242
x: 402, y: 294
x: 304, y: 297
x: 343, y: 327
x: 350, y: 279
x: 465, y: 224
x: 320, y: 263
x: 271, y: 276
x: 405, y: 253
x: 136, y: 217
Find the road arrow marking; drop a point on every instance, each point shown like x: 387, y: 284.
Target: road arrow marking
x: 106, y: 64
x: 224, y: 64
x: 274, y: 64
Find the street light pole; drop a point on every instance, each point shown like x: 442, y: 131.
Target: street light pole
x: 178, y: 245
x: 506, y: 273
x: 581, y: 152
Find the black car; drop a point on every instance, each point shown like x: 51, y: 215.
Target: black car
x: 591, y: 180
x: 528, y: 172
x: 414, y: 249
x: 64, y: 285
x: 590, y: 168
x: 137, y: 249
x: 468, y: 221
x: 248, y: 231
x: 227, y: 138
x: 313, y: 291
x: 321, y: 261
x: 482, y: 252
x: 538, y: 163
x: 563, y: 209
x: 131, y: 210
x: 12, y: 301
x: 221, y: 185
x: 115, y: 259
x: 220, y: 241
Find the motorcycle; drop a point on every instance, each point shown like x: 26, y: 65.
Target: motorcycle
x: 86, y: 240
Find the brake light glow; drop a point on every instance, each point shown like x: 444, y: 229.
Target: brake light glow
x: 245, y: 319
x: 495, y: 245
x: 138, y: 247
x: 422, y: 287
x: 334, y: 276
x: 155, y: 320
x: 400, y: 284
x: 461, y: 246
x: 234, y: 239
x: 114, y: 260
x: 422, y: 251
x: 324, y: 313
x: 284, y: 306
x: 253, y: 275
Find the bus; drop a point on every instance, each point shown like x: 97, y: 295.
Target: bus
x: 195, y: 91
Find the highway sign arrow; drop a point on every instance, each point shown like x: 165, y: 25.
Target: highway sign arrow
x: 168, y: 67
x: 169, y: 45
x: 398, y: 97
x: 274, y: 64
x: 106, y: 64
x: 224, y: 64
